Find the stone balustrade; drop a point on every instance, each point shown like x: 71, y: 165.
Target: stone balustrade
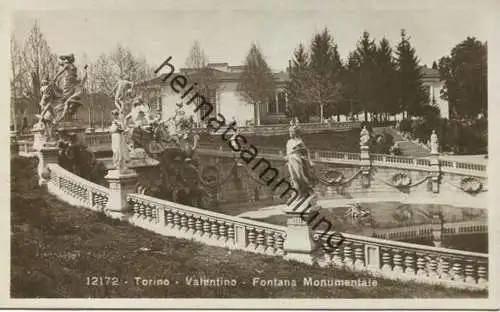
x: 76, y: 190
x: 379, y: 257
x: 425, y: 230
x: 209, y: 227
x: 405, y: 261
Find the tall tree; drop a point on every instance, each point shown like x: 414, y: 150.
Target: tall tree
x: 413, y: 96
x: 39, y: 64
x: 465, y: 75
x: 298, y: 105
x: 385, y: 97
x: 16, y: 76
x: 324, y: 75
x: 200, y: 73
x: 350, y: 83
x: 257, y: 82
x: 366, y: 52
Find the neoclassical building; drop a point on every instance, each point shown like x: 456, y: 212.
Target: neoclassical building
x: 226, y: 100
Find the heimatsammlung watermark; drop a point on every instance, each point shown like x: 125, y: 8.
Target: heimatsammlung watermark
x: 248, y: 152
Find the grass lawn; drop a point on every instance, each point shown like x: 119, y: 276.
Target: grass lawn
x: 57, y: 247
x: 346, y: 141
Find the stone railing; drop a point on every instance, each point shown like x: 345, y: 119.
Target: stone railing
x: 283, y: 128
x: 401, y: 162
x: 380, y: 257
x: 76, y: 190
x: 212, y: 228
x: 405, y: 261
x: 425, y: 230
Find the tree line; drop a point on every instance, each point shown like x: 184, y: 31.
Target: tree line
x: 33, y: 61
x: 374, y: 79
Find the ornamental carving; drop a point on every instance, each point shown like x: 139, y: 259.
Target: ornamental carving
x: 334, y: 177
x: 209, y: 175
x: 401, y: 180
x: 471, y: 185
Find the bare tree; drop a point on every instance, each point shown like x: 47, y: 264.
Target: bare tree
x: 15, y: 78
x: 200, y: 73
x: 39, y: 63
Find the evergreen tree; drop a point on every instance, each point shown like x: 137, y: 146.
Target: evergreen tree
x: 366, y: 51
x: 412, y: 96
x: 298, y: 106
x: 385, y: 99
x: 434, y: 65
x: 324, y: 74
x: 257, y: 82
x: 465, y: 76
x: 350, y: 87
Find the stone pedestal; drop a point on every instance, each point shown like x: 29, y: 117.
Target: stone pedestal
x: 48, y: 153
x: 121, y: 183
x: 435, y: 172
x: 299, y: 244
x: 365, y: 165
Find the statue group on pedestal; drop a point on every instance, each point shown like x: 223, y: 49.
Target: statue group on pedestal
x: 61, y: 97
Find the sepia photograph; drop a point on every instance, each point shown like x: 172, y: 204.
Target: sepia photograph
x: 315, y: 151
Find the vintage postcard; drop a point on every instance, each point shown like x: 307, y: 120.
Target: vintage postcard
x: 250, y: 154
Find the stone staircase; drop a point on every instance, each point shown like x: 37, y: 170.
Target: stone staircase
x: 408, y: 148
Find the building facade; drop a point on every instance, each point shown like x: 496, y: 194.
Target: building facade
x: 226, y: 101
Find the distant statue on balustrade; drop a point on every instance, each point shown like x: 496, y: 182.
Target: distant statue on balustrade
x: 70, y: 90
x: 434, y: 144
x: 364, y: 137
x: 119, y: 147
x: 122, y: 92
x: 299, y: 164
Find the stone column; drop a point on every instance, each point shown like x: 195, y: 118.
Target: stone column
x: 121, y: 180
x: 14, y: 145
x: 434, y: 162
x: 299, y: 243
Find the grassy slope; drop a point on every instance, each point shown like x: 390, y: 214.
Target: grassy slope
x: 55, y: 247
x: 347, y: 141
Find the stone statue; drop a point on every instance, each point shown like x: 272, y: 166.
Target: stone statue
x: 364, y: 137
x: 71, y: 88
x: 46, y: 118
x: 121, y: 93
x: 118, y: 145
x: 434, y: 143
x: 299, y: 164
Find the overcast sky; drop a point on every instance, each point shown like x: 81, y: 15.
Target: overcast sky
x: 226, y: 31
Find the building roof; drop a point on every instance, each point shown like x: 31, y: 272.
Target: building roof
x: 225, y: 73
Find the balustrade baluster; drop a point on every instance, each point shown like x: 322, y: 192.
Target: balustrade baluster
x: 191, y: 224
x: 470, y: 272
x: 409, y: 264
x: 398, y: 261
x: 169, y: 219
x: 261, y: 242
x: 421, y: 264
x: 142, y: 211
x: 251, y: 236
x: 177, y: 221
x: 348, y: 259
x: 199, y: 227
x: 386, y: 261
x: 482, y: 273
x: 432, y: 268
x: 230, y: 234
x: 279, y: 241
x: 214, y: 230
x: 337, y: 256
x: 270, y: 242
x: 148, y: 212
x: 184, y: 227
x: 135, y: 209
x: 458, y: 272
x: 222, y: 232
x: 359, y: 262
x: 206, y: 229
x: 444, y: 269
